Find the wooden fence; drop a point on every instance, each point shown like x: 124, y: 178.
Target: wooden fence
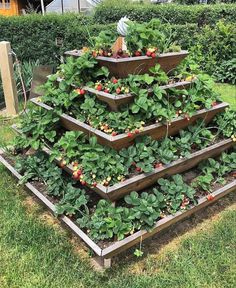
x: 8, y: 80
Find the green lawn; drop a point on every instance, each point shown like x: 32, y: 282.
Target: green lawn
x: 36, y: 253
x: 228, y: 93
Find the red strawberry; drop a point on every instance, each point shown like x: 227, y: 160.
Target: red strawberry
x: 94, y: 54
x: 76, y: 176
x: 153, y: 55
x: 137, y: 131
x: 95, y: 184
x: 120, y: 52
x: 99, y: 87
x: 114, y: 81
x: 118, y: 90
x: 83, y: 182
x: 82, y: 92
x: 79, y: 172
x: 210, y: 197
x: 149, y: 54
x: 113, y: 133
x: 138, y: 169
x: 158, y: 165
x: 106, y: 90
x: 130, y: 134
x: 137, y: 53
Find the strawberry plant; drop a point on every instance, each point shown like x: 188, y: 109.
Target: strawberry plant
x: 38, y: 168
x: 226, y: 122
x: 212, y: 169
x: 145, y: 38
x: 39, y: 128
x: 74, y: 202
x: 107, y: 222
x: 145, y: 208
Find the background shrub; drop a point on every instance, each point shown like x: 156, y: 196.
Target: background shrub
x: 215, y: 51
x: 33, y: 36
x: 172, y: 13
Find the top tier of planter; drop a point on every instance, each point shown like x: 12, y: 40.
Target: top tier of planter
x: 122, y: 67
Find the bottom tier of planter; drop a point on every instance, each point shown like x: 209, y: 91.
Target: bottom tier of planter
x: 105, y: 252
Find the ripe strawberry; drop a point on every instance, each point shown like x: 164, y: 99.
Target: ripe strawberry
x: 99, y: 87
x: 130, y: 134
x: 138, y: 169
x: 79, y: 172
x: 83, y: 182
x: 105, y: 53
x: 210, y: 197
x: 149, y: 53
x: 137, y: 131
x: 106, y: 90
x: 95, y: 184
x: 118, y: 90
x: 120, y: 52
x: 76, y: 176
x: 158, y: 165
x: 114, y: 81
x: 113, y: 133
x: 153, y: 55
x: 137, y: 53
x: 82, y: 92
x: 94, y: 53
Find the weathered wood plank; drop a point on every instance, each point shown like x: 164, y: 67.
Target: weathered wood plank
x: 8, y: 80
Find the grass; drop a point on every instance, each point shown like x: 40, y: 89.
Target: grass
x: 228, y: 93
x: 36, y: 253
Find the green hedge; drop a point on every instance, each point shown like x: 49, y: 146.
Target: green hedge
x: 33, y: 37
x: 174, y: 14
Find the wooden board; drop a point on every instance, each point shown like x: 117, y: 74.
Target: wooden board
x: 122, y: 245
x: 156, y: 131
x: 145, y: 180
x: 115, y: 101
x: 122, y: 67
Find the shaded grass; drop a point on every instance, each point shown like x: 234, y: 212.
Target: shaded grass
x: 35, y: 254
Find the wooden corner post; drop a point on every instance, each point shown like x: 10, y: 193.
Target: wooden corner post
x: 8, y: 80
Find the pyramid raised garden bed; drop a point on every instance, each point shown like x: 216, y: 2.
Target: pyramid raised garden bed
x: 133, y: 200
x: 122, y: 67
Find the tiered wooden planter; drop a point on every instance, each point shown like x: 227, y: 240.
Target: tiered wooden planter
x: 117, y: 247
x: 122, y: 67
x: 156, y: 131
